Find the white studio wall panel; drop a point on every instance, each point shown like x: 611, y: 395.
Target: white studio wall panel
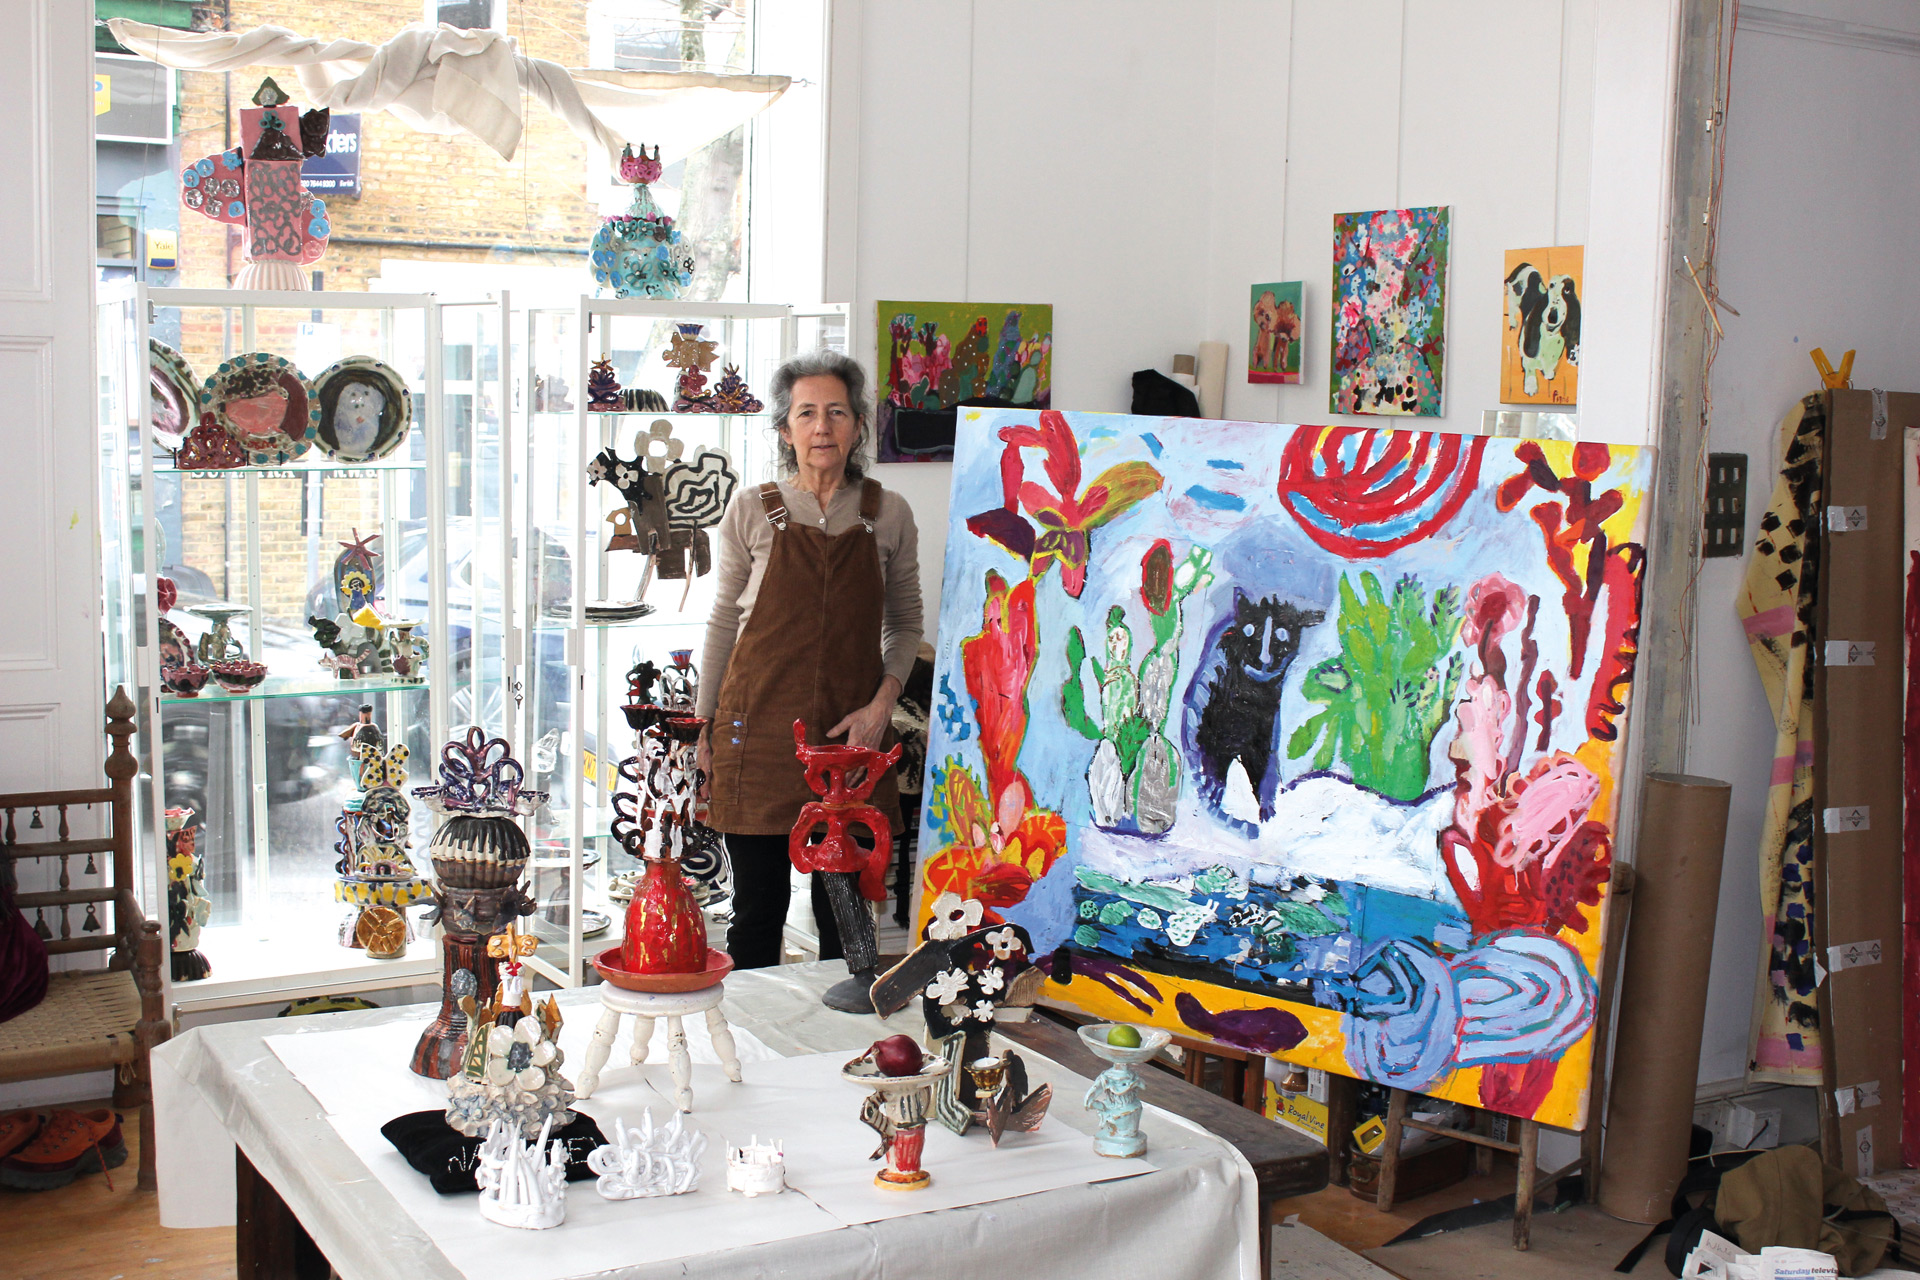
x: 50, y: 659
x: 1816, y: 181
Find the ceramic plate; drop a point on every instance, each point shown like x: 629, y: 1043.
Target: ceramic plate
x: 175, y: 649
x: 174, y: 394
x: 360, y: 410
x: 260, y: 400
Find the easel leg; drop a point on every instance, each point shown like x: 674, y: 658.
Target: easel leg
x: 1390, y: 1149
x: 1523, y: 1186
x: 1342, y: 1094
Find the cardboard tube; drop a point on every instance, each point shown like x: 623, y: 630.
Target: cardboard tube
x: 1210, y: 377
x: 1663, y: 994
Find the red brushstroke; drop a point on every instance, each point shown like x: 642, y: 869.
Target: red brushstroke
x: 999, y: 661
x: 1517, y: 1088
x: 1549, y: 708
x: 1396, y: 476
x: 1576, y: 543
x: 1622, y: 643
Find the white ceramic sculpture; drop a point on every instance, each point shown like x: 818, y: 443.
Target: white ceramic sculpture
x: 649, y: 1161
x: 518, y: 1188
x: 756, y: 1169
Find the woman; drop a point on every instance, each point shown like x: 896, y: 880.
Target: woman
x: 816, y: 617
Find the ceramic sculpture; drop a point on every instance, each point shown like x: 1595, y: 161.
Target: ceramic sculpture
x: 896, y: 1109
x: 188, y: 907
x: 479, y: 854
x: 358, y: 640
x: 510, y: 1072
x: 666, y: 932
x: 757, y: 1169
x: 218, y: 644
x: 375, y: 876
x: 603, y: 387
x: 518, y: 1188
x: 840, y: 809
x: 680, y: 683
x: 669, y: 503
x: 1114, y: 1095
x: 208, y: 447
x: 693, y: 355
x: 257, y: 187
x: 647, y: 1161
x: 639, y: 253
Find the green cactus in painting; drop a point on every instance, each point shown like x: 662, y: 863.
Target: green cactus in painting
x: 1135, y: 773
x: 1385, y: 695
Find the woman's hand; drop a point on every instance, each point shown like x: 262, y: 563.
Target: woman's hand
x: 703, y: 760
x: 868, y: 726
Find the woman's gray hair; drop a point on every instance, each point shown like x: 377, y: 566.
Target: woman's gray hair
x: 822, y: 364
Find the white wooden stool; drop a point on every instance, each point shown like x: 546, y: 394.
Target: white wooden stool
x: 645, y: 1007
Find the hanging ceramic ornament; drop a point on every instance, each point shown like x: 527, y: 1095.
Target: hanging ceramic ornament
x: 257, y: 186
x: 260, y: 399
x: 359, y: 410
x: 639, y: 253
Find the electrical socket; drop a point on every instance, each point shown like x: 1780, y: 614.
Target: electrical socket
x: 1748, y: 1127
x: 1712, y: 1116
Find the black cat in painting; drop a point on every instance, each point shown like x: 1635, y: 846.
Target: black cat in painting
x: 1239, y: 717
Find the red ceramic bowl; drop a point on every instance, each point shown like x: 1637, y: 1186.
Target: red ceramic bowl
x: 719, y: 965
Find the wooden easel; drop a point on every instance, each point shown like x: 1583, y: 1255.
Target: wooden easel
x: 1526, y: 1148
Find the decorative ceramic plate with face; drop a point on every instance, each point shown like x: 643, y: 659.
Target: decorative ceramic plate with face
x: 360, y: 410
x: 260, y: 400
x: 173, y: 394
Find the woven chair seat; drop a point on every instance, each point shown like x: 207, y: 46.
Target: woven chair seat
x: 86, y: 1023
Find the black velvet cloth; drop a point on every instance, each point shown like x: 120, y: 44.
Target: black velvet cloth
x: 448, y: 1157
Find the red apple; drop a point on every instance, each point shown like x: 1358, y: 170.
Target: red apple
x: 897, y: 1056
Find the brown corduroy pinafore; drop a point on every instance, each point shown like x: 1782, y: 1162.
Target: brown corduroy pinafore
x: 811, y: 652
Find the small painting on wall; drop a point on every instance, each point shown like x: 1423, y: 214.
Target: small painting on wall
x: 1389, y: 311
x: 1274, y: 332
x: 1540, y: 345
x: 937, y: 356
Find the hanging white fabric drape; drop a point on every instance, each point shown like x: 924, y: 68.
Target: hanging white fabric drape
x: 445, y: 80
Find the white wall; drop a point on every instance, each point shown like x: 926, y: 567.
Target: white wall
x: 1817, y: 180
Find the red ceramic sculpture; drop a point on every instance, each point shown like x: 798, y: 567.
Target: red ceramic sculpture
x: 665, y: 931
x: 840, y: 807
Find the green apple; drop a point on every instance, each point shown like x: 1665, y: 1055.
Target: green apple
x: 1122, y: 1036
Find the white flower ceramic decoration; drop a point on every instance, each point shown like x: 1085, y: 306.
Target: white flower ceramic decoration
x: 658, y: 447
x: 647, y: 1161
x: 517, y: 1187
x: 946, y: 987
x: 953, y: 917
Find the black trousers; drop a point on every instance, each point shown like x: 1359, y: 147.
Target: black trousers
x: 761, y: 887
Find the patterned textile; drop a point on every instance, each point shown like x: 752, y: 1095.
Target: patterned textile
x: 1776, y: 606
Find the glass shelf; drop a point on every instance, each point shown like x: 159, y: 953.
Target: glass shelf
x: 300, y: 687
x: 650, y: 620
x: 347, y: 469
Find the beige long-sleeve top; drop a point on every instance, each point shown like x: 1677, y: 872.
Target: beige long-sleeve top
x: 745, y: 542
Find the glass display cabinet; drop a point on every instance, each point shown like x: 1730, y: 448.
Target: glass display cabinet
x: 589, y: 609
x: 384, y: 532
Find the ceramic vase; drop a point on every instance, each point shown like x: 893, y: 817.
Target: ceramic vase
x: 666, y: 933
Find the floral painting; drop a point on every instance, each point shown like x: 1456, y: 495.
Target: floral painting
x: 937, y: 356
x: 1304, y: 739
x: 1390, y: 311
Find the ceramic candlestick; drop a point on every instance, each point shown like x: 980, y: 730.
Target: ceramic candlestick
x: 756, y: 1169
x: 896, y: 1109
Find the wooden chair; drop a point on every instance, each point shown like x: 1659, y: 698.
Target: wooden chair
x: 95, y: 1018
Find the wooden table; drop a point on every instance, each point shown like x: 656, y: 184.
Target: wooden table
x: 1285, y: 1163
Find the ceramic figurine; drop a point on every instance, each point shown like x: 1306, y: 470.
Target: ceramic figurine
x: 757, y: 1169
x: 670, y: 504
x: 375, y: 876
x: 841, y: 808
x: 647, y: 1161
x: 730, y: 394
x: 358, y: 640
x: 188, y: 907
x: 257, y: 186
x: 603, y: 387
x: 218, y: 645
x: 1005, y: 1101
x: 406, y: 652
x: 639, y: 253
x: 511, y: 1068
x: 896, y: 1109
x: 517, y: 1187
x: 479, y: 855
x: 1115, y: 1094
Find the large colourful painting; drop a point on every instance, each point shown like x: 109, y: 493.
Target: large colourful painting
x: 936, y: 356
x: 1390, y: 311
x: 1304, y: 739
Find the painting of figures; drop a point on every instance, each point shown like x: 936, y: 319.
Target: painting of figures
x: 937, y: 356
x: 1303, y: 739
x: 1273, y: 332
x: 1390, y: 311
x: 1540, y: 345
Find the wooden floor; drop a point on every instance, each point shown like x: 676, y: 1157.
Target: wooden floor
x: 87, y: 1232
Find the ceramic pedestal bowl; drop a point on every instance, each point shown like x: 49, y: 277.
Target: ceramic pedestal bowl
x: 238, y: 676
x: 1152, y: 1041
x: 897, y: 1111
x: 1115, y: 1095
x: 719, y: 965
x: 185, y: 681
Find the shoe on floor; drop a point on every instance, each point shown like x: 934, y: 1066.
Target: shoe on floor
x: 17, y: 1129
x: 70, y: 1144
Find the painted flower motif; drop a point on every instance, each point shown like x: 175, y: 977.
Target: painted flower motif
x: 597, y: 470
x: 1005, y: 944
x: 953, y: 917
x: 982, y: 1011
x: 658, y: 448
x: 626, y: 475
x: 946, y: 987
x: 990, y: 980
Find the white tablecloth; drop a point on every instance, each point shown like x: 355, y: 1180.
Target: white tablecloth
x: 1194, y: 1215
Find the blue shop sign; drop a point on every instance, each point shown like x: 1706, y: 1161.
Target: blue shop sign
x: 337, y: 173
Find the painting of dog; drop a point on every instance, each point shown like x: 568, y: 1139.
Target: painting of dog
x: 1540, y: 344
x: 1274, y: 331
